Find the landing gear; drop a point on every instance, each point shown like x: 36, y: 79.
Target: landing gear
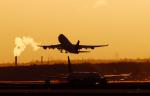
x: 61, y: 51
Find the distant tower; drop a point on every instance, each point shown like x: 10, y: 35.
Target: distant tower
x: 48, y: 61
x: 16, y: 61
x: 41, y: 59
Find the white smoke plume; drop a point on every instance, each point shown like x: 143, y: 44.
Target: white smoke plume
x: 22, y: 43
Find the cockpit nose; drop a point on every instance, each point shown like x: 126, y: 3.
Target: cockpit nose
x: 61, y: 37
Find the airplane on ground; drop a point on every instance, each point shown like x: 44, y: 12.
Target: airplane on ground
x: 78, y: 79
x: 83, y: 79
x: 66, y: 45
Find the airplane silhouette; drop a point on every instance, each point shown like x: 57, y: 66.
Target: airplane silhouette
x: 84, y: 79
x: 66, y: 45
x: 78, y: 79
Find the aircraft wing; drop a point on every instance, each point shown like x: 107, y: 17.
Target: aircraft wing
x: 50, y: 46
x: 119, y: 75
x: 90, y: 47
x: 57, y: 77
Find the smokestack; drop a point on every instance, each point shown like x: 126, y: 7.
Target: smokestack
x: 16, y: 61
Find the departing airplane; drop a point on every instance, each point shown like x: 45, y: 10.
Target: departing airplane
x: 66, y: 45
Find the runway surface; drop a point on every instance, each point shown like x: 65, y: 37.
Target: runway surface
x: 76, y: 92
x: 40, y: 88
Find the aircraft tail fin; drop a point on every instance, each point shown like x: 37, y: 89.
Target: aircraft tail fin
x: 69, y: 66
x: 78, y: 43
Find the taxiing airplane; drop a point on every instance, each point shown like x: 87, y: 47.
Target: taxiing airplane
x: 66, y: 45
x: 86, y: 79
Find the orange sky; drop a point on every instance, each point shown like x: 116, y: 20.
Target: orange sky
x: 124, y: 24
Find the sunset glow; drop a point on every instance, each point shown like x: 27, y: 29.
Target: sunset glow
x: 123, y: 24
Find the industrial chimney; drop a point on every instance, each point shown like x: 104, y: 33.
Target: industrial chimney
x: 16, y: 61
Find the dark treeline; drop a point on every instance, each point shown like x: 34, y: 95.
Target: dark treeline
x: 139, y: 70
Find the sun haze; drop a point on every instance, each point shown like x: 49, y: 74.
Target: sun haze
x: 123, y: 24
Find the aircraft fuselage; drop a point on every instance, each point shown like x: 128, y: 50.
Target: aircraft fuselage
x: 67, y: 45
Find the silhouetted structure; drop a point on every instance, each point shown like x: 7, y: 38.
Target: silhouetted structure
x: 41, y: 59
x: 16, y: 61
